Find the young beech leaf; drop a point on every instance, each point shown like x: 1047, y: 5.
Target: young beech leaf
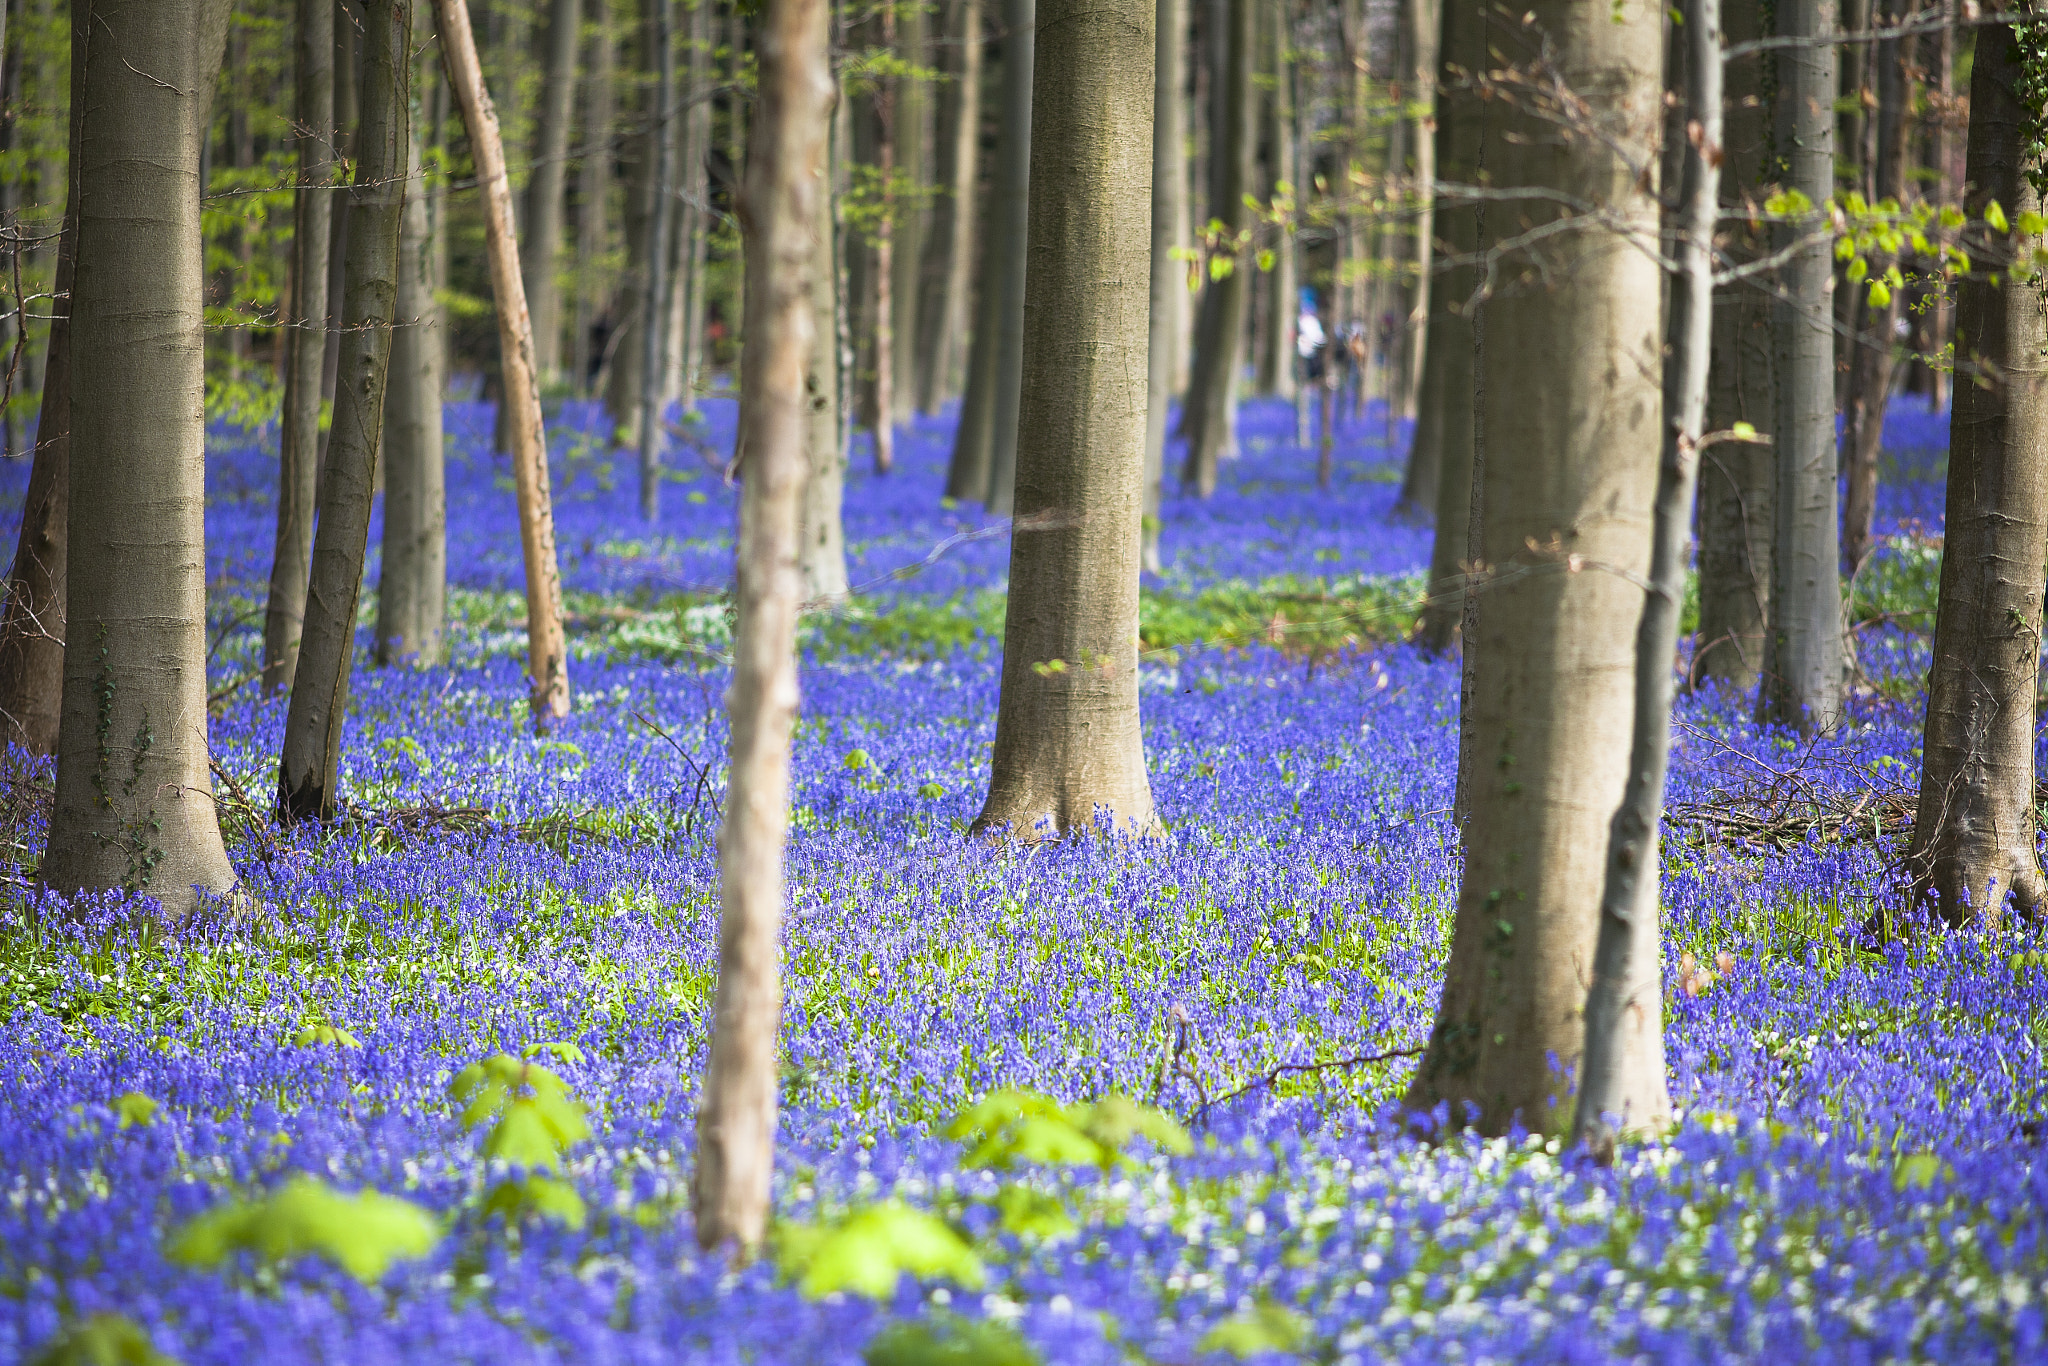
x: 134, y: 1109
x: 362, y: 1233
x: 1267, y: 1328
x: 1115, y: 1120
x: 318, y: 1035
x: 1032, y: 1213
x: 561, y: 1052
x: 1918, y: 1171
x: 869, y: 1250
x: 534, y: 1194
x: 537, y: 1117
x: 949, y: 1341
x: 1994, y: 214
x: 102, y: 1340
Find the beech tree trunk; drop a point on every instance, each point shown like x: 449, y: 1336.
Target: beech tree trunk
x: 412, y: 589
x: 134, y: 806
x: 346, y: 85
x: 547, y: 665
x: 1276, y: 356
x: 1802, y: 676
x: 542, y: 246
x: 32, y: 628
x: 1570, y: 368
x: 822, y: 553
x: 968, y: 472
x: 1168, y: 299
x: 628, y: 348
x: 593, y: 190
x: 881, y: 277
x: 1443, y: 420
x: 308, y: 786
x: 910, y: 142
x: 653, y: 336
x: 693, y: 241
x: 1624, y: 1057
x: 299, y: 443
x: 786, y: 172
x: 1421, y: 26
x: 947, y: 269
x: 1004, y: 272
x: 1068, y: 750
x: 1738, y: 480
x: 1209, y: 416
x: 1973, y: 849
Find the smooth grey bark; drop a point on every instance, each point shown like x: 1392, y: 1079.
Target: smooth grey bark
x: 134, y: 804
x: 1973, y: 848
x: 967, y: 471
x: 32, y: 625
x: 412, y: 586
x: 308, y: 785
x: 1003, y: 272
x: 882, y: 265
x: 299, y: 443
x: 1443, y: 419
x: 542, y: 247
x: 1069, y: 753
x: 1738, y: 480
x: 1276, y: 354
x: 1569, y: 366
x: 1802, y: 682
x: 946, y: 269
x: 593, y: 191
x: 653, y: 336
x: 1168, y: 298
x: 692, y: 242
x: 1421, y: 23
x: 1624, y: 1007
x: 346, y: 84
x: 910, y: 141
x: 785, y: 174
x: 821, y: 554
x: 624, y: 379
x: 1873, y: 362
x: 1209, y: 415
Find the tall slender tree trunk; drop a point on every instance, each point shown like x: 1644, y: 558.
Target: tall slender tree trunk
x: 1874, y: 362
x: 1802, y: 676
x: 346, y: 85
x: 1210, y: 414
x: 309, y: 770
x: 1276, y: 361
x: 134, y: 806
x: 545, y: 186
x: 1010, y: 205
x: 822, y: 550
x: 1941, y: 316
x: 1421, y: 24
x: 785, y: 174
x: 412, y: 590
x: 1571, y: 369
x: 593, y: 191
x: 660, y: 228
x: 967, y: 475
x: 32, y: 628
x: 547, y: 665
x: 1168, y: 299
x: 1068, y: 749
x: 628, y: 348
x: 1738, y: 480
x: 1443, y: 421
x: 694, y: 239
x: 910, y: 142
x: 299, y: 444
x: 946, y: 272
x: 1973, y: 847
x: 1624, y: 1057
x: 882, y: 259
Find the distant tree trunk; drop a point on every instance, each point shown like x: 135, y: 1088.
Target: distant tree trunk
x: 627, y: 347
x: 1004, y: 274
x: 299, y: 443
x: 693, y: 241
x: 134, y: 805
x: 822, y: 549
x: 1276, y: 357
x: 1974, y: 830
x: 1570, y: 367
x: 1443, y: 420
x: 1940, y: 321
x: 1209, y: 416
x: 1421, y: 25
x: 660, y: 228
x: 1623, y: 1066
x: 967, y: 475
x: 309, y: 768
x: 412, y: 590
x: 1874, y: 361
x: 910, y: 141
x: 1802, y: 676
x: 32, y: 628
x: 542, y: 247
x: 946, y: 270
x: 1068, y: 750
x: 1168, y: 299
x: 593, y: 189
x: 880, y: 277
x: 547, y: 665
x: 346, y: 85
x: 1738, y: 479
x: 785, y: 174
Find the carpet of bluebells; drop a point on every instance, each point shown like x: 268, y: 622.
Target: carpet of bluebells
x: 1857, y: 1175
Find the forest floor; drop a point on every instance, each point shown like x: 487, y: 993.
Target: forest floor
x: 1858, y: 1172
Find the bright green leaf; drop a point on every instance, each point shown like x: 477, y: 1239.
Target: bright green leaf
x: 856, y: 760
x: 1032, y: 1213
x: 1880, y: 294
x: 102, y: 1340
x: 1267, y: 1328
x: 534, y: 1194
x: 869, y: 1250
x: 949, y: 1341
x: 1917, y: 1171
x: 316, y: 1035
x: 567, y: 1053
x: 362, y: 1233
x: 135, y: 1110
x: 1858, y: 268
x: 1994, y: 214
